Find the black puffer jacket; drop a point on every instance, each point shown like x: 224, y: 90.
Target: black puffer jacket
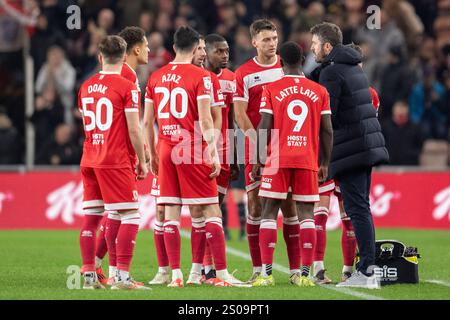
x: 358, y: 141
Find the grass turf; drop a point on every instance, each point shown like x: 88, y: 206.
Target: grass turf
x: 33, y: 265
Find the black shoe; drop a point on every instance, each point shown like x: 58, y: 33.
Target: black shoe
x: 211, y: 274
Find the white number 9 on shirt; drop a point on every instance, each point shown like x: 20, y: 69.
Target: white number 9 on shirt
x: 172, y: 96
x: 299, y: 117
x: 96, y: 116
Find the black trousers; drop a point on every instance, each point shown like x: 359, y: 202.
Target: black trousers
x: 355, y: 188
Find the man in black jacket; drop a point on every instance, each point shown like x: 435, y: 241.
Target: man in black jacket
x: 358, y: 141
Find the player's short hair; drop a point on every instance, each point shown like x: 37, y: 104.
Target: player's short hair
x: 328, y: 32
x: 132, y: 36
x: 260, y: 25
x: 112, y: 49
x: 291, y: 54
x: 213, y: 38
x: 185, y: 38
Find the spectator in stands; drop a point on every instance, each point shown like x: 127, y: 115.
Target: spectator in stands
x: 403, y: 138
x: 105, y: 21
x: 397, y: 80
x: 243, y: 49
x: 446, y: 104
x: 48, y: 113
x: 146, y: 20
x: 159, y: 56
x: 60, y: 149
x: 42, y: 39
x: 11, y: 144
x: 427, y: 106
x: 59, y: 74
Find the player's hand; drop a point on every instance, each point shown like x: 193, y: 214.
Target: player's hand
x: 323, y: 174
x: 215, y: 170
x: 234, y: 172
x: 154, y: 163
x: 255, y: 175
x: 142, y: 171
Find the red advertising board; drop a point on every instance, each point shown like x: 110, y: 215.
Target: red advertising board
x: 52, y: 200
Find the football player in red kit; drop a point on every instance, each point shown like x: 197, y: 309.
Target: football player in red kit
x: 179, y: 97
x: 137, y: 54
x: 321, y: 211
x: 198, y: 239
x: 297, y: 112
x: 109, y: 105
x: 217, y: 57
x: 251, y: 78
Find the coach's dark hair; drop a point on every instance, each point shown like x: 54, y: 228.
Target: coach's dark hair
x: 132, y: 36
x: 328, y: 32
x: 291, y: 54
x: 260, y: 25
x: 112, y: 49
x: 185, y: 38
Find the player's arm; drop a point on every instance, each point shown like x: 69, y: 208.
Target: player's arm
x: 240, y: 101
x: 234, y: 167
x: 135, y: 134
x: 242, y: 119
x: 207, y: 128
x: 216, y: 114
x: 149, y: 135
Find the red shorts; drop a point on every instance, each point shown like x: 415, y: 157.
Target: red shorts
x: 113, y: 189
x: 301, y: 182
x: 155, y: 187
x: 249, y: 184
x: 328, y: 188
x: 184, y: 184
x: 223, y: 180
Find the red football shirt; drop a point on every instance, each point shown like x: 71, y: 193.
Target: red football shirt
x: 217, y: 99
x: 296, y: 104
x: 251, y: 78
x: 174, y: 90
x: 103, y: 100
x: 228, y: 88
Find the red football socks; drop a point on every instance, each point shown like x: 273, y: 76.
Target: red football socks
x: 172, y: 242
x: 320, y: 220
x: 216, y: 241
x: 87, y: 241
x: 252, y: 228
x: 158, y: 236
x: 291, y: 235
x: 126, y: 240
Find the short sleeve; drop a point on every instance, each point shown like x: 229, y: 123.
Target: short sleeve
x: 131, y: 103
x: 203, y: 86
x: 266, y: 102
x: 149, y: 91
x: 325, y: 108
x: 241, y: 93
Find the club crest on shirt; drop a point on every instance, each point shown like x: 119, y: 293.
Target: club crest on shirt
x: 207, y: 83
x: 135, y: 96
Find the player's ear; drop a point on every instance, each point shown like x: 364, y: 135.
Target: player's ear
x: 137, y: 50
x: 100, y: 58
x: 303, y: 59
x: 254, y: 42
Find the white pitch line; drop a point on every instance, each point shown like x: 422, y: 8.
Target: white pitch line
x: 279, y: 267
x: 440, y: 282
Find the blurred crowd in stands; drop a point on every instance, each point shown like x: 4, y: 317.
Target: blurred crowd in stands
x: 407, y: 61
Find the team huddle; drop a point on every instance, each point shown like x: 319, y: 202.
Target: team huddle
x: 195, y: 102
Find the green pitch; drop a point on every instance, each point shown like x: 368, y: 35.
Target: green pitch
x: 33, y: 265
